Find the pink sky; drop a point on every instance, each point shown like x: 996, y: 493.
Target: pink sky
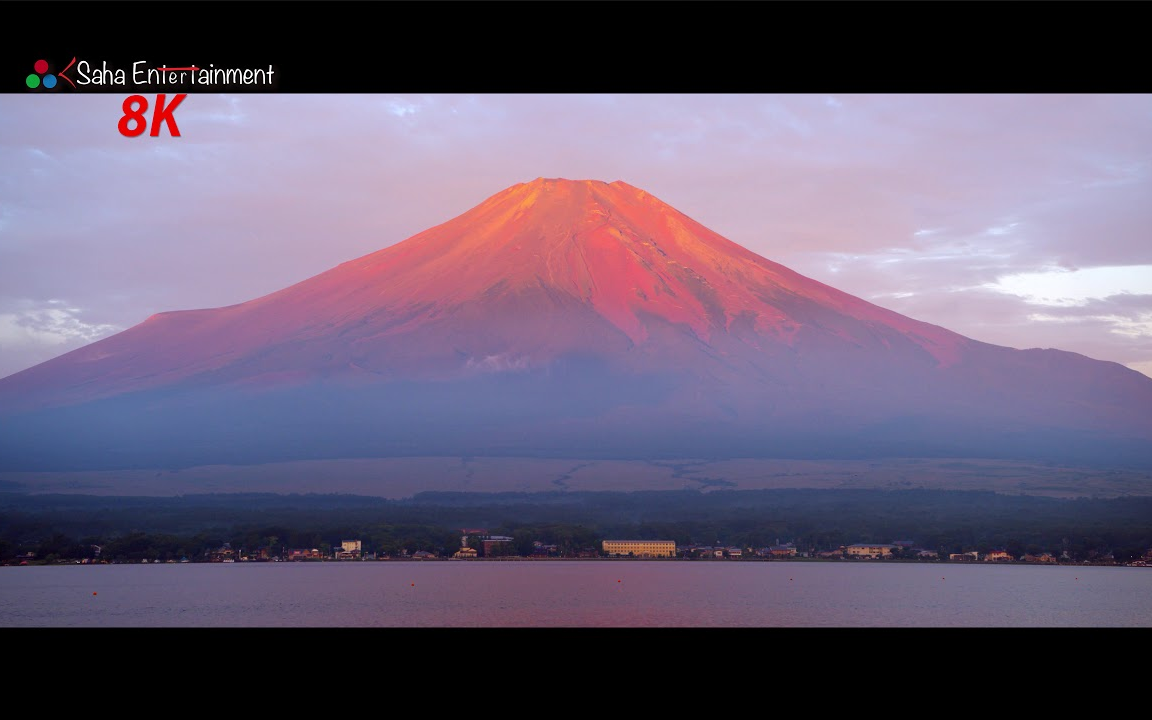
x: 1019, y: 220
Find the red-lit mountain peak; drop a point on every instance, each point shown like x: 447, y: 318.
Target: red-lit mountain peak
x: 625, y: 254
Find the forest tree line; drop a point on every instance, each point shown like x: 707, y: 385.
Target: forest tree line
x: 68, y: 527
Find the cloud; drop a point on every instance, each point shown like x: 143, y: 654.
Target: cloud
x: 498, y: 363
x: 1077, y: 287
x: 402, y: 108
x: 1127, y: 315
x: 35, y: 332
x: 54, y: 323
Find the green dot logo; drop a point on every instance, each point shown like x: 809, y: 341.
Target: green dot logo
x: 41, y: 78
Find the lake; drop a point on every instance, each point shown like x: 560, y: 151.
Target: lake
x: 575, y: 594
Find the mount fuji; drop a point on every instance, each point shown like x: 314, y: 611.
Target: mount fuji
x: 561, y: 318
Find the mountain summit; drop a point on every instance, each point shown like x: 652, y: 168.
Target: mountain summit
x: 564, y: 318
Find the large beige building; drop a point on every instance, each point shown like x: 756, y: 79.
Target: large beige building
x: 870, y: 550
x: 349, y: 550
x: 641, y: 548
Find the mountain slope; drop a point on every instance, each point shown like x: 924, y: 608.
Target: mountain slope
x: 572, y: 318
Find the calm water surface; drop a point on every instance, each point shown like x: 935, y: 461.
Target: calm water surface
x: 400, y: 594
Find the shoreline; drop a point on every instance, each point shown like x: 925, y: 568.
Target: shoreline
x: 1084, y: 563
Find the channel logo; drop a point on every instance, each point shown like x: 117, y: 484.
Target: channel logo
x: 43, y: 78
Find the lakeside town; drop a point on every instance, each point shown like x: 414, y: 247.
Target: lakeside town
x: 478, y: 545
